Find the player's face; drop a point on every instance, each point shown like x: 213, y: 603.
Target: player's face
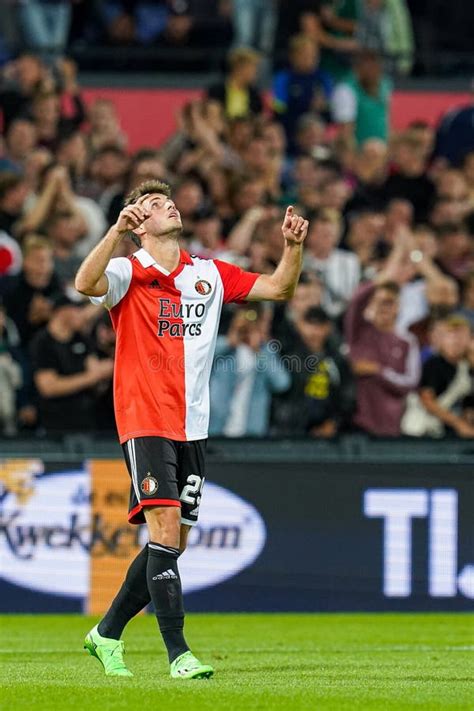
x: 164, y: 215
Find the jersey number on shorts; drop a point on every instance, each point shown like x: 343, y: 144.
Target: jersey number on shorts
x: 192, y: 491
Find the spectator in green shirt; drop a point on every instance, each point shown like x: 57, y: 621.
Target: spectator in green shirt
x: 361, y: 103
x: 339, y: 19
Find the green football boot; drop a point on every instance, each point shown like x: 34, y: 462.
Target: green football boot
x: 108, y: 651
x: 186, y: 666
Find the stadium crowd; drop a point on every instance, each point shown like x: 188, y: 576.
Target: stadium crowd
x: 378, y: 337
x: 338, y: 25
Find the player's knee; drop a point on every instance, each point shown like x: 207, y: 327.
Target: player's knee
x: 164, y: 524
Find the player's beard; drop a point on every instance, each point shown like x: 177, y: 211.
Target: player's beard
x: 172, y: 233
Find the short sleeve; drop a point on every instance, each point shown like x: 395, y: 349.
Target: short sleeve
x: 42, y: 355
x: 430, y: 376
x: 119, y: 276
x: 344, y: 104
x: 237, y: 282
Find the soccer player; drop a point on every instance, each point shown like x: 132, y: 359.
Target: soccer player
x: 165, y: 307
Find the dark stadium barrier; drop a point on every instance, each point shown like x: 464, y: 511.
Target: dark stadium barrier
x: 273, y: 535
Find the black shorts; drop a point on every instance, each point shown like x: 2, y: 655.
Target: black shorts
x: 165, y: 473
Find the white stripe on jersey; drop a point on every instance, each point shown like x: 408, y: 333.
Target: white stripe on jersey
x: 199, y: 350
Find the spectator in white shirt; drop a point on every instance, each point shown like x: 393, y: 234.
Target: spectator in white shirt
x: 337, y: 269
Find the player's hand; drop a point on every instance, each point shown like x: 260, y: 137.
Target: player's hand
x: 132, y: 216
x: 294, y: 227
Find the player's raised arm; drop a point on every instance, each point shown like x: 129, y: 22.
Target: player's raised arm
x: 91, y: 278
x: 281, y: 285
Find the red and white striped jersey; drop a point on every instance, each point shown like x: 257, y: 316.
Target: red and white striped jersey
x: 166, y: 325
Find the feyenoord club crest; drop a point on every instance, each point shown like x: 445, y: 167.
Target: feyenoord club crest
x: 149, y: 485
x: 203, y: 287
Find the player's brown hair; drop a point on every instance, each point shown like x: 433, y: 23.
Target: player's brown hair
x: 148, y: 186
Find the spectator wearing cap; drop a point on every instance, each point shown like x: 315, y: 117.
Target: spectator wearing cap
x: 446, y: 380
x: 28, y: 296
x: 246, y: 373
x: 66, y: 371
x: 337, y: 269
x: 361, y: 102
x: 302, y: 88
x: 322, y: 397
x: 238, y: 93
x: 386, y: 363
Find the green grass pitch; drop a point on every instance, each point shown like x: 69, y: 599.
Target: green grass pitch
x: 320, y: 662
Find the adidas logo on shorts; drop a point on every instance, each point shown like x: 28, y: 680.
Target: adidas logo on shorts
x: 167, y: 575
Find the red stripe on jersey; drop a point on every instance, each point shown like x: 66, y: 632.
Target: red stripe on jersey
x: 149, y: 377
x: 237, y: 283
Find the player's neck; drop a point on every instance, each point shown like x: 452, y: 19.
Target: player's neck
x: 164, y: 250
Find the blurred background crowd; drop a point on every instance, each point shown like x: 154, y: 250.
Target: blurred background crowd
x: 378, y: 337
x: 175, y: 31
